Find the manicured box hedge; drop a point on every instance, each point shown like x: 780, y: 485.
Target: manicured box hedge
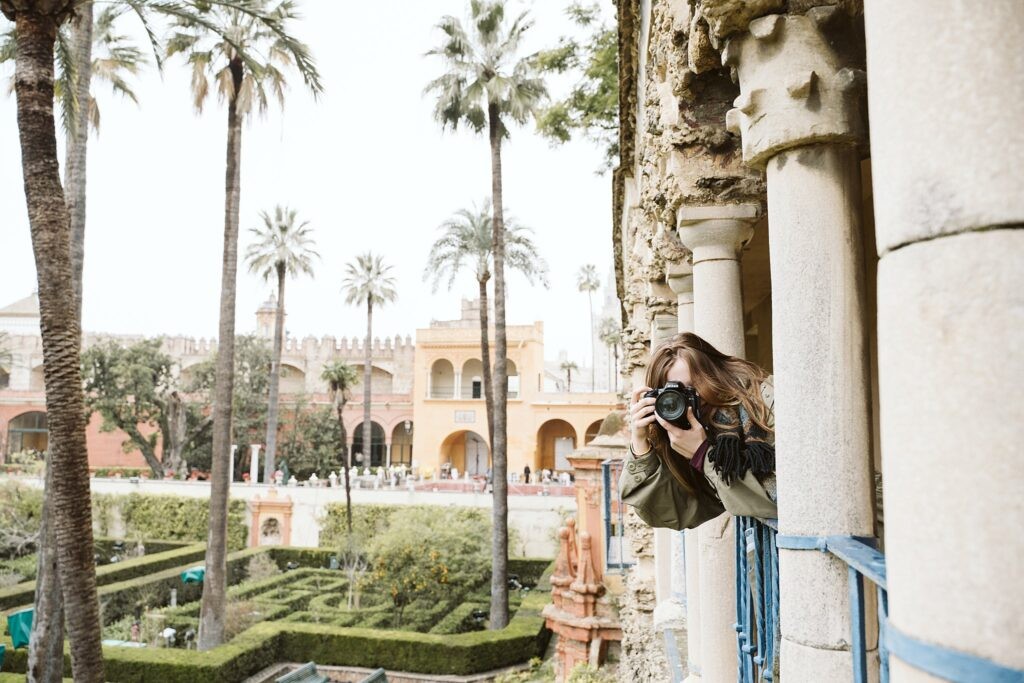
x: 23, y: 593
x: 278, y: 641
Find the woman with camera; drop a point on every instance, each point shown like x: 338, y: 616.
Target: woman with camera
x: 703, y: 439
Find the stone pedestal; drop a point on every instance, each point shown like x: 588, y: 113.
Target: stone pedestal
x: 946, y: 106
x: 799, y: 114
x: 715, y: 235
x: 271, y: 519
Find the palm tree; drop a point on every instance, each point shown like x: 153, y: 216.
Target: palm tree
x: 468, y: 235
x: 367, y: 281
x: 568, y: 366
x: 340, y: 378
x: 37, y: 24
x: 282, y: 248
x: 244, y: 48
x: 485, y: 85
x: 611, y: 334
x: 587, y: 281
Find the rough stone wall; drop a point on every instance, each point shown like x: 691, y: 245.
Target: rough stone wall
x: 643, y: 651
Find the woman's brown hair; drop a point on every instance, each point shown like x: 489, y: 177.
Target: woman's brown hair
x: 720, y: 380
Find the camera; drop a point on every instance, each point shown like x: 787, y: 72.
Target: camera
x: 671, y: 403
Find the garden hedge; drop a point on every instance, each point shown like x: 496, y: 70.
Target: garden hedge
x: 23, y: 594
x: 166, y: 517
x: 280, y: 641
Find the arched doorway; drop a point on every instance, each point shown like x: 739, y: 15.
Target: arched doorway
x: 592, y: 431
x: 377, y: 447
x: 556, y: 439
x: 28, y: 432
x: 401, y: 443
x: 442, y: 379
x: 513, y: 379
x: 466, y: 451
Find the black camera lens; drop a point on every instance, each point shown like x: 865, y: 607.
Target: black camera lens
x: 670, y: 405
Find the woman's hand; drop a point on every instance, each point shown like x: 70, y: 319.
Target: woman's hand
x: 641, y: 414
x: 685, y: 441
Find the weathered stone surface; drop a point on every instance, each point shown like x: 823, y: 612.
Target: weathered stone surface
x: 726, y: 17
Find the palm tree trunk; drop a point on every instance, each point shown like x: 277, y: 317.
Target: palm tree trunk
x: 46, y: 647
x: 485, y: 353
x: 275, y: 377
x: 61, y: 333
x: 211, y: 616
x: 367, y: 393
x: 499, y: 443
x: 77, y: 144
x: 593, y: 348
x: 347, y: 460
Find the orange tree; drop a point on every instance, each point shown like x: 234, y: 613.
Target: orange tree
x: 429, y: 556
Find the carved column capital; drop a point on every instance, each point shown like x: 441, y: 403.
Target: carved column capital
x: 715, y: 233
x: 799, y: 84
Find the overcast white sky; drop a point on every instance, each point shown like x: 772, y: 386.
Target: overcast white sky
x: 366, y: 165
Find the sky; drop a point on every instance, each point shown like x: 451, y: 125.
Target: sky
x: 366, y: 165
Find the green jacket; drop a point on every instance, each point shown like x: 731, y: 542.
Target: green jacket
x: 661, y: 501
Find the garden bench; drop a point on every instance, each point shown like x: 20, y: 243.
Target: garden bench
x: 304, y: 674
x: 376, y: 677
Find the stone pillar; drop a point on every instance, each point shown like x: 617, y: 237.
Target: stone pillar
x: 458, y: 384
x: 715, y: 235
x: 231, y: 463
x: 800, y: 118
x: 946, y: 106
x: 387, y: 453
x: 680, y: 279
x: 254, y: 463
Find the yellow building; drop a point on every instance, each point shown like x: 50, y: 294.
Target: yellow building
x: 451, y: 415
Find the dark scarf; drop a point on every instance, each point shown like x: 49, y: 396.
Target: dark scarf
x: 739, y: 446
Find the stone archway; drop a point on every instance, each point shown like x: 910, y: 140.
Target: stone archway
x: 466, y: 451
x: 378, y: 448
x: 592, y: 431
x: 401, y: 443
x: 442, y: 379
x: 28, y: 432
x: 555, y: 440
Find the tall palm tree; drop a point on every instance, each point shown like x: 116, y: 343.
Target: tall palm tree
x: 567, y: 367
x: 367, y: 281
x: 468, y: 235
x: 244, y: 48
x: 587, y: 281
x: 485, y: 85
x: 37, y: 23
x: 611, y: 334
x: 282, y: 248
x: 340, y: 378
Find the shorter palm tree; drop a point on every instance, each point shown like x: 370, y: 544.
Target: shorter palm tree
x: 283, y: 247
x: 587, y: 281
x: 468, y: 235
x: 567, y: 367
x: 368, y: 281
x: 611, y: 335
x: 340, y: 378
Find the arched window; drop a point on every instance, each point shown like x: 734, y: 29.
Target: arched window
x: 442, y: 379
x: 28, y: 432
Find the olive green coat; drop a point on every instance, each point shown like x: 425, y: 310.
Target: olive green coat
x: 661, y: 501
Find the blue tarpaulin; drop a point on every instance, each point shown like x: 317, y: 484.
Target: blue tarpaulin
x: 20, y: 626
x: 193, y: 575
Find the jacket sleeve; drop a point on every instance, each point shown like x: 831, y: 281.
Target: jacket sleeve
x: 659, y: 500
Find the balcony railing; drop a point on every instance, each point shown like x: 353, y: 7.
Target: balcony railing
x: 617, y: 554
x: 757, y: 611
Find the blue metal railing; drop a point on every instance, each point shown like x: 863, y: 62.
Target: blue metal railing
x: 757, y: 608
x: 616, y: 550
x: 757, y: 599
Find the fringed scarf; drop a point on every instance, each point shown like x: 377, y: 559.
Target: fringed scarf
x: 738, y: 445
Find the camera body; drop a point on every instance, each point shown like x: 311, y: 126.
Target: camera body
x: 671, y: 402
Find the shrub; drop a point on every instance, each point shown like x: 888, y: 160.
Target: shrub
x: 437, y: 556
x: 175, y: 518
x: 262, y: 566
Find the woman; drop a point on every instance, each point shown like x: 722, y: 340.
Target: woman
x: 725, y: 462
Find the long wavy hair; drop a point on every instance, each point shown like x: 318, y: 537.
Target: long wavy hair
x: 722, y: 381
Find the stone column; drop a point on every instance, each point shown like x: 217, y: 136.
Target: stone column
x: 458, y: 384
x: 800, y: 118
x: 387, y: 453
x: 715, y: 235
x: 680, y: 279
x: 254, y: 463
x: 946, y: 106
